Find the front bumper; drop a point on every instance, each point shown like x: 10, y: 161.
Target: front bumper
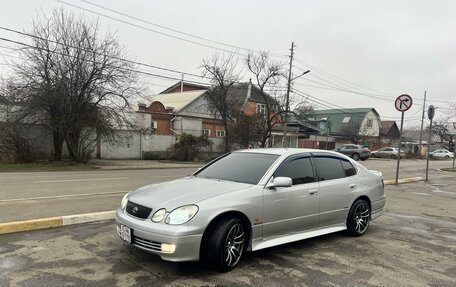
x: 150, y: 236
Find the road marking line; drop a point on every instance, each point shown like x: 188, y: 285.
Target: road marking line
x: 84, y: 179
x: 61, y: 196
x: 97, y: 179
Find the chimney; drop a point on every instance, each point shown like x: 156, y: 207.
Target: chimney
x: 142, y: 107
x: 249, y: 89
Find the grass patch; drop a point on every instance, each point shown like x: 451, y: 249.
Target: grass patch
x: 46, y: 166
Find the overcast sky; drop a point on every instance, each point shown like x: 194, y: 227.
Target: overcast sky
x: 376, y: 50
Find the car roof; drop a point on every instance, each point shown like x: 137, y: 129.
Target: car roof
x: 285, y: 151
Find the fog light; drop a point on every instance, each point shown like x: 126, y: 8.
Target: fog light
x: 168, y: 248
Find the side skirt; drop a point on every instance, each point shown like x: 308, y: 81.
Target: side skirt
x: 265, y: 243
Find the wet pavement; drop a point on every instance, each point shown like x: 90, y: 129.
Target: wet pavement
x: 413, y: 244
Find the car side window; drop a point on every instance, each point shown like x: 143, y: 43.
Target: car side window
x: 329, y: 168
x: 300, y: 170
x: 348, y: 167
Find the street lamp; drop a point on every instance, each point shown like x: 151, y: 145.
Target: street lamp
x: 287, y: 107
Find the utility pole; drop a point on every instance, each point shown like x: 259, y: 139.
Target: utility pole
x: 287, y: 107
x: 422, y: 121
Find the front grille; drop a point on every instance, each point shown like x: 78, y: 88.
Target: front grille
x: 147, y: 244
x: 137, y: 210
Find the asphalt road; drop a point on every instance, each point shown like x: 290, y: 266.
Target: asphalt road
x: 413, y: 244
x: 31, y: 195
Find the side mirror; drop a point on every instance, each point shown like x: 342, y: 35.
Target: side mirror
x: 280, y: 181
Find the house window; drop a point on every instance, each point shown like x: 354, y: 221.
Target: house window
x: 369, y: 123
x: 346, y: 120
x: 261, y: 109
x: 127, y: 141
x: 220, y: 134
x: 153, y: 125
x: 206, y: 132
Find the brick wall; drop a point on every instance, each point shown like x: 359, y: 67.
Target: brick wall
x: 214, y: 126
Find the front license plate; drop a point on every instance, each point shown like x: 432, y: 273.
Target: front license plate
x: 125, y: 233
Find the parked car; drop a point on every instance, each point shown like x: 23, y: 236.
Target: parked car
x: 387, y: 152
x: 250, y: 200
x: 356, y: 152
x: 441, y: 153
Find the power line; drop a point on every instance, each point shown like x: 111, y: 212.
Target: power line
x: 342, y: 81
x: 174, y: 30
x: 336, y: 78
x: 126, y: 69
x: 151, y: 30
x: 349, y: 89
x: 335, y: 107
x: 117, y: 58
x: 344, y: 90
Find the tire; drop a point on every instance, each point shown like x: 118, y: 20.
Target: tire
x: 355, y: 156
x: 447, y: 156
x: 226, y: 245
x: 393, y: 156
x: 358, y: 218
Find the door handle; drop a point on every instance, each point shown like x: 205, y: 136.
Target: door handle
x: 313, y: 192
x: 352, y: 186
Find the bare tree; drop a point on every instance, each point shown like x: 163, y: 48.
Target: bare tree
x: 354, y: 132
x: 73, y: 81
x: 304, y: 112
x: 224, y: 73
x: 267, y: 73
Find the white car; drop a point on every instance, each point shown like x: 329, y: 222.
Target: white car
x: 387, y: 152
x: 442, y: 153
x: 250, y: 200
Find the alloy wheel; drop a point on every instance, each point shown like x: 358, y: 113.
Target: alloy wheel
x: 234, y: 245
x: 361, y: 217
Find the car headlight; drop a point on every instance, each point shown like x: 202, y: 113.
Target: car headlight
x: 159, y: 215
x: 124, y: 201
x: 181, y: 214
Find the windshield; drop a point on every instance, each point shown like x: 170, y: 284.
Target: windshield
x: 239, y: 167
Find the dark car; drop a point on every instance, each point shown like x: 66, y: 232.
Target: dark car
x: 356, y: 152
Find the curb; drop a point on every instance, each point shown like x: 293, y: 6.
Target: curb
x: 404, y: 180
x: 59, y: 221
x: 51, y: 222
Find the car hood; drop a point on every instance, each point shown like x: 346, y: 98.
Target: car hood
x: 188, y: 190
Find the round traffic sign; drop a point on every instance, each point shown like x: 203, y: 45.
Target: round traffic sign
x: 403, y: 103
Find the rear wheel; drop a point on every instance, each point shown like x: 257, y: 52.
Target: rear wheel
x: 355, y: 156
x: 226, y: 245
x: 358, y: 218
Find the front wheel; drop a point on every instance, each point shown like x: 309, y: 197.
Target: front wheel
x: 226, y: 245
x: 358, y: 218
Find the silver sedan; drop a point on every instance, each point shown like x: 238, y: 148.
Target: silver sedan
x: 387, y: 152
x: 250, y: 200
